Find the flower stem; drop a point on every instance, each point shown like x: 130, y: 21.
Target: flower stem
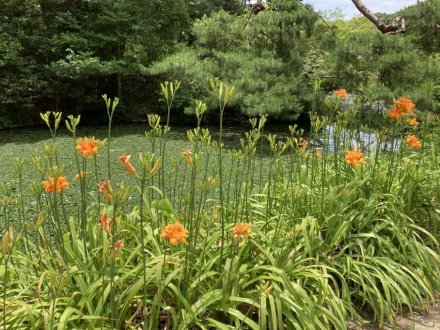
x: 144, y: 274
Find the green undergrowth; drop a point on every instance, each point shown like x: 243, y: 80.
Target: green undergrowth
x: 330, y: 240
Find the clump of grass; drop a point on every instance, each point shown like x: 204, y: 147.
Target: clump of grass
x: 307, y: 237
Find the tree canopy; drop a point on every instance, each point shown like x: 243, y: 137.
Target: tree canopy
x: 63, y: 54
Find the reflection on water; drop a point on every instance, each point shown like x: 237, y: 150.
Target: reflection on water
x: 29, y: 142
x: 365, y: 140
x: 231, y: 134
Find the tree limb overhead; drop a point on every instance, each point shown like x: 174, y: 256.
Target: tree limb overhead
x: 396, y: 26
x: 255, y: 9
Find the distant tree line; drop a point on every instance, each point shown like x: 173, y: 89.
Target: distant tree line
x: 63, y: 54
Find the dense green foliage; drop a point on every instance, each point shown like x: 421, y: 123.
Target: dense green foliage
x: 285, y: 52
x: 63, y: 54
x: 307, y: 231
x: 366, y: 61
x: 333, y: 234
x: 263, y: 59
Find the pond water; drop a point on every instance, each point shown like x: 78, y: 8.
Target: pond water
x: 365, y: 140
x: 25, y: 143
x: 25, y: 140
x: 231, y: 134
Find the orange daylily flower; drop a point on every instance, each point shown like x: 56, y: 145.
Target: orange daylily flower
x: 80, y: 175
x: 87, y: 146
x: 241, y: 230
x: 405, y: 105
x: 106, y: 222
x: 413, y: 122
x: 303, y: 144
x: 105, y: 188
x: 354, y: 157
x: 125, y: 159
x: 402, y: 106
x: 118, y: 246
x: 395, y: 114
x: 187, y: 155
x: 175, y: 233
x: 7, y: 238
x: 57, y: 185
x: 341, y: 93
x: 413, y: 142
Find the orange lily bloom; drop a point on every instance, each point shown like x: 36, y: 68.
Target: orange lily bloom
x: 118, y: 246
x: 80, y: 175
x: 105, y: 188
x: 395, y: 113
x: 401, y: 107
x: 405, y: 105
x: 241, y: 230
x: 187, y: 155
x: 57, y: 185
x: 413, y: 142
x: 303, y: 144
x: 175, y: 233
x: 125, y: 159
x: 354, y: 157
x: 87, y: 146
x: 413, y: 122
x: 341, y: 93
x: 106, y: 222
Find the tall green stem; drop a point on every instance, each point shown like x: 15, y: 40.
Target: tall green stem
x: 83, y: 207
x: 97, y: 182
x: 111, y: 107
x: 144, y: 274
x: 5, y: 281
x: 109, y: 131
x: 220, y: 169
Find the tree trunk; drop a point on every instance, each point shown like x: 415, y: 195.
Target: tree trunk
x: 396, y: 26
x: 255, y: 9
